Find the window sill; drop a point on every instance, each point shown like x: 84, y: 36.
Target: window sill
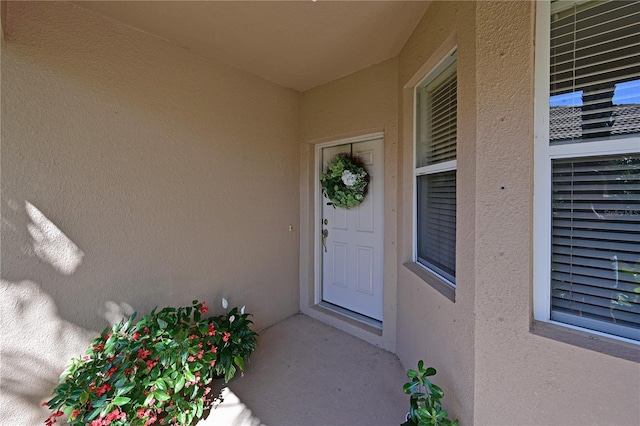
x: 586, y: 340
x: 439, y: 284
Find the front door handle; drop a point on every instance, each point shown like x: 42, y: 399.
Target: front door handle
x: 325, y: 234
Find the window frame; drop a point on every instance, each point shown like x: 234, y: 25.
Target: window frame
x: 544, y: 154
x: 429, y: 275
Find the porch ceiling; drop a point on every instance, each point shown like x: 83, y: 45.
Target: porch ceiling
x: 297, y: 44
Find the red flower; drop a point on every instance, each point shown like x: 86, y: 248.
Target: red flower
x: 143, y: 353
x: 103, y: 389
x: 200, y: 354
x: 213, y: 362
x: 151, y: 363
x: 214, y: 349
x: 211, y: 330
x: 135, y: 336
x: 191, y: 358
x: 203, y: 308
x: 99, y: 347
x: 75, y: 414
x: 226, y: 336
x: 116, y: 414
x: 52, y: 418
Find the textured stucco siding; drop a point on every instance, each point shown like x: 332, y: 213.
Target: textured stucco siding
x: 493, y: 369
x: 134, y: 174
x: 430, y: 326
x: 521, y: 378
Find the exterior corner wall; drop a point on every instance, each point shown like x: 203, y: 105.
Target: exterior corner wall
x: 135, y: 174
x: 430, y: 326
x: 362, y: 103
x: 522, y: 378
x: 493, y: 370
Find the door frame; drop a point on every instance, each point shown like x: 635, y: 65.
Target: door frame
x: 317, y: 214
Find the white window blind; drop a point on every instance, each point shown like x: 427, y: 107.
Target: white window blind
x: 595, y: 278
x: 437, y: 222
x: 437, y: 128
x: 594, y: 70
x: 436, y: 170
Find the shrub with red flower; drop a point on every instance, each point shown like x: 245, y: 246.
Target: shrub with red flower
x: 156, y: 371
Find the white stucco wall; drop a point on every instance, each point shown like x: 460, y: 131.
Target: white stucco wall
x: 135, y: 173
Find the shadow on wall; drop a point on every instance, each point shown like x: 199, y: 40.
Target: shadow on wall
x: 36, y: 343
x: 50, y: 244
x: 36, y: 347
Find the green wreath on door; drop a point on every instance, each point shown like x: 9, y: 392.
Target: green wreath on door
x: 344, y: 182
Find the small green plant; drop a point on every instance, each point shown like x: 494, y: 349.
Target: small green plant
x: 156, y: 371
x: 425, y: 408
x: 232, y: 353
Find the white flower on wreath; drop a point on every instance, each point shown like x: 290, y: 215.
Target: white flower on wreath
x: 349, y: 179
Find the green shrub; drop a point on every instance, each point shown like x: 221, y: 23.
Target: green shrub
x: 158, y: 370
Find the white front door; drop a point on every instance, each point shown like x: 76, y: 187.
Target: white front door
x: 352, y: 253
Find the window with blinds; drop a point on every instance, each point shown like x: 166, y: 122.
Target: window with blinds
x: 594, y: 70
x: 594, y: 89
x: 595, y: 272
x: 436, y: 124
x: 437, y: 223
x: 437, y: 103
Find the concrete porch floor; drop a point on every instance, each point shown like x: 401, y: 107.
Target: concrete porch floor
x: 307, y: 373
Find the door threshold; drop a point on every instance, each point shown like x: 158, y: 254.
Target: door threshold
x: 371, y: 322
